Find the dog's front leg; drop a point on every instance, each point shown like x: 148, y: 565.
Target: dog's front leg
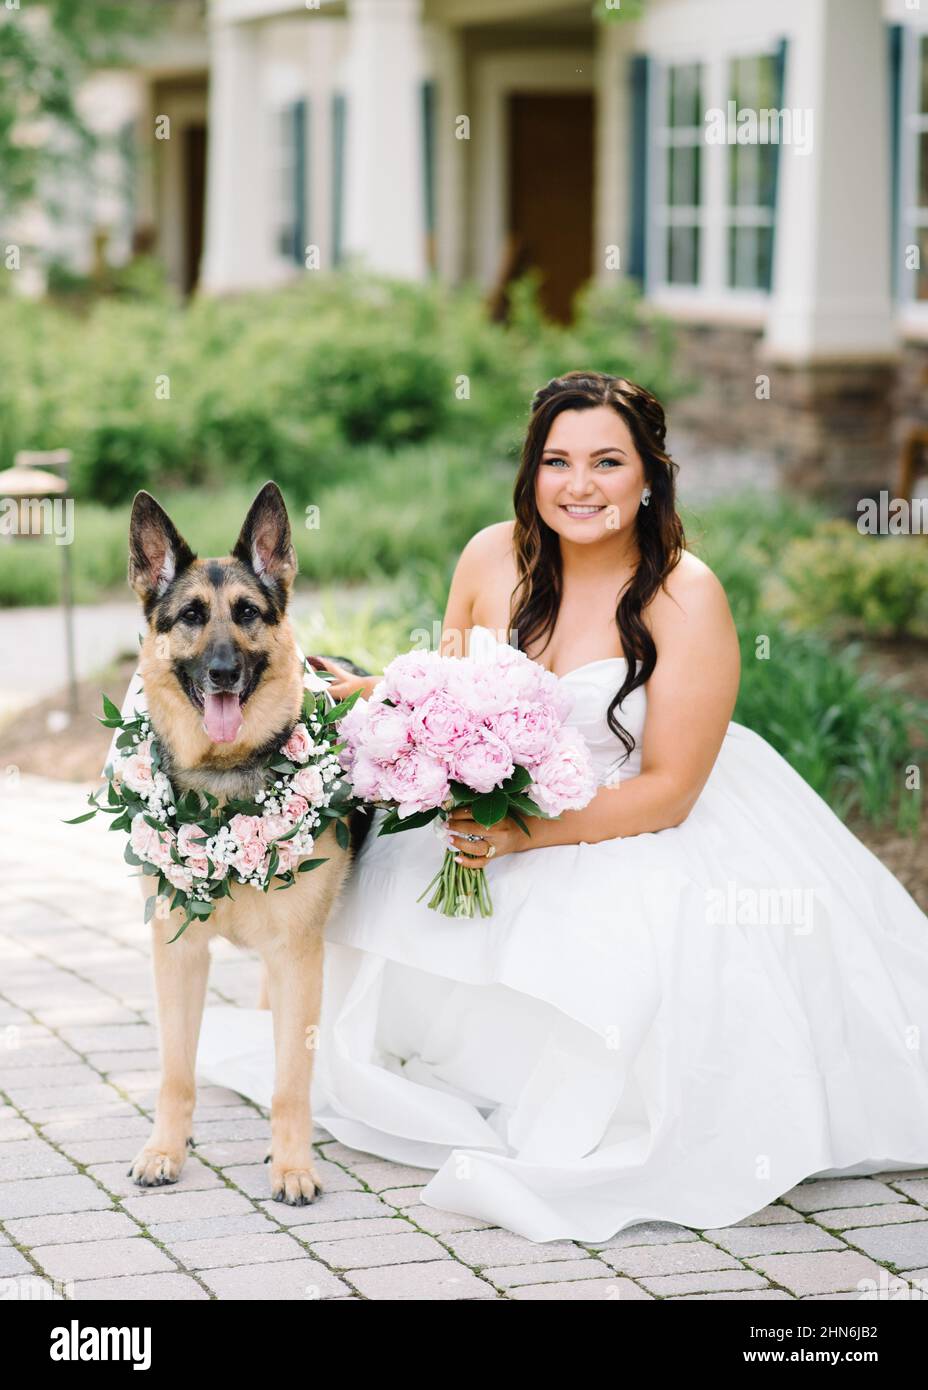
x: 181, y: 969
x: 295, y: 987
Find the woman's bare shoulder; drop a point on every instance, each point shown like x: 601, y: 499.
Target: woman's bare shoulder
x: 692, y: 592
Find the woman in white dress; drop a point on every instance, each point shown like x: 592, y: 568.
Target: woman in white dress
x: 692, y: 994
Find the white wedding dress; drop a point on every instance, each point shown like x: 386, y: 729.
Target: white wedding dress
x: 674, y: 1026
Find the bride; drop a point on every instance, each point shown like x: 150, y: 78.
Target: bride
x: 693, y: 993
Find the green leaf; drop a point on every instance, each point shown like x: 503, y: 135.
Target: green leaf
x: 518, y: 819
x: 489, y: 809
x: 393, y: 823
x: 150, y: 907
x: 131, y: 857
x: 76, y: 820
x: 110, y: 710
x: 308, y: 864
x: 341, y: 708
x: 342, y: 834
x: 526, y: 804
x: 519, y: 779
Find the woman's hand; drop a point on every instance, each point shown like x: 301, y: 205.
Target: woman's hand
x: 505, y: 837
x: 345, y: 682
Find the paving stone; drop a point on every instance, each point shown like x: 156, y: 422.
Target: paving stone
x: 144, y: 1288
x: 33, y: 1078
x: 167, y: 1204
x: 778, y: 1239
x: 365, y: 1251
x: 768, y: 1216
x: 302, y: 1280
x: 645, y: 1233
x: 348, y: 1230
x: 839, y: 1192
x: 39, y: 1196
x: 404, y: 1196
x: 253, y: 1249
x: 442, y: 1223
x: 229, y: 1129
x: 29, y: 1288
x: 31, y: 1158
x: 102, y: 1259
x: 583, y: 1290
x: 547, y: 1272
x: 382, y: 1175
x: 72, y: 1226
x: 232, y: 1154
x: 59, y: 1132
x: 13, y: 1128
x: 739, y: 1296
x: 916, y: 1188
x: 12, y: 1262
x: 906, y: 1246
x: 206, y: 1228
x: 331, y: 1206
x: 255, y: 1179
x: 111, y: 1037
x: 677, y: 1258
x: 433, y: 1280
x: 499, y: 1247
x: 89, y: 1152
x: 704, y: 1282
x: 843, y: 1218
x: 115, y: 1178
x: 825, y: 1271
x: 122, y: 1065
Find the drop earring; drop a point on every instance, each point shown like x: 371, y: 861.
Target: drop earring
x: 645, y: 496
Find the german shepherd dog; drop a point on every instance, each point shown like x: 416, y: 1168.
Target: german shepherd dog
x: 224, y: 686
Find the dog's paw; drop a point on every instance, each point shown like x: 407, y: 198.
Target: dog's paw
x: 155, y: 1167
x: 295, y: 1186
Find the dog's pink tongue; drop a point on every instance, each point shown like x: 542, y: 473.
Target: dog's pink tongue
x: 223, y: 717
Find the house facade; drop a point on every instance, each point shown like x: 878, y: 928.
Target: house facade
x: 760, y: 169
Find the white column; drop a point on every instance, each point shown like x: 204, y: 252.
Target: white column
x: 831, y: 290
x: 237, y: 234
x: 447, y: 49
x: 611, y: 212
x: 384, y: 192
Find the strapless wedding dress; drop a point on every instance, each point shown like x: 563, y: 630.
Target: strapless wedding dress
x: 674, y: 1026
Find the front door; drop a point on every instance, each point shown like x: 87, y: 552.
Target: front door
x: 551, y: 192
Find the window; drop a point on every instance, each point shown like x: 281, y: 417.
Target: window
x: 712, y: 199
x: 752, y: 172
x: 681, y: 139
x: 914, y: 170
x: 291, y: 182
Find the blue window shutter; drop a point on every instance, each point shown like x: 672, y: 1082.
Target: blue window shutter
x: 640, y: 77
x: 339, y: 123
x: 895, y: 41
x: 299, y: 181
x: 780, y: 94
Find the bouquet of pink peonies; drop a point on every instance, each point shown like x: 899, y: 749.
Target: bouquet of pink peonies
x: 442, y: 732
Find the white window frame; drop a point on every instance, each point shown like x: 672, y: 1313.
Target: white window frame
x: 712, y: 294
x: 912, y: 125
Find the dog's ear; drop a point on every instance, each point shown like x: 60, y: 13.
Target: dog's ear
x: 264, y: 541
x: 157, y: 550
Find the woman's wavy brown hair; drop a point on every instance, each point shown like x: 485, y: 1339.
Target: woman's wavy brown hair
x: 536, y: 598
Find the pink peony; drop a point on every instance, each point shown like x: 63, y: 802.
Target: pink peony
x: 299, y: 745
x: 416, y: 782
x: 367, y: 777
x: 441, y: 724
x: 387, y: 732
x: 408, y: 678
x: 564, y: 781
x: 528, y: 730
x: 484, y: 762
x: 181, y: 875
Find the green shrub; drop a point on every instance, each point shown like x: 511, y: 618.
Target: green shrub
x: 873, y: 585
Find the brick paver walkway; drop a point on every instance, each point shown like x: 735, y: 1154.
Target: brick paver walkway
x: 78, y: 1070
